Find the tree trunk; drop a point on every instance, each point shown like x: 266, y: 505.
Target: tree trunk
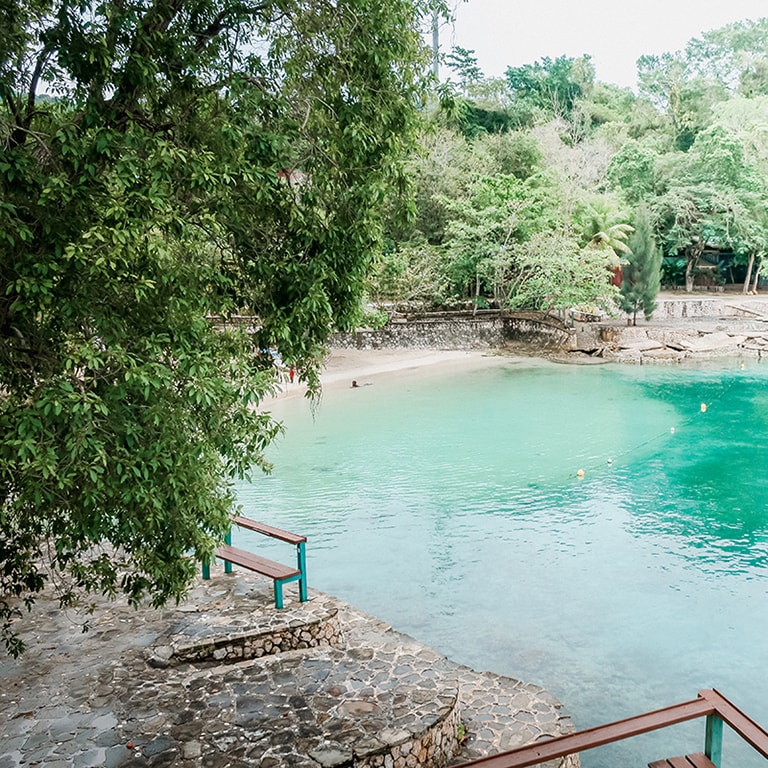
x: 436, y: 43
x: 757, y: 277
x: 477, y: 294
x: 689, y: 276
x: 692, y: 259
x: 748, y: 278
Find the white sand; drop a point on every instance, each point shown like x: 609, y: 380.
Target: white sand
x: 343, y: 366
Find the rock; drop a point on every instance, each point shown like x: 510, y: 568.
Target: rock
x: 640, y: 344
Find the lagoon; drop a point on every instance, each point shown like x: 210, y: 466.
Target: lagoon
x: 447, y: 502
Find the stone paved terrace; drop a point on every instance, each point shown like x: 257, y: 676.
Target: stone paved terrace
x: 226, y: 680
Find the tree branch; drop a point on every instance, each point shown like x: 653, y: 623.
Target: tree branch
x: 223, y: 21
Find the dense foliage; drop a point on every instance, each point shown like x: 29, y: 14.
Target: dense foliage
x: 521, y: 177
x: 162, y: 162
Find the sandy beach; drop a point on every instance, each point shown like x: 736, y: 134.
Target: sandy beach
x: 343, y: 366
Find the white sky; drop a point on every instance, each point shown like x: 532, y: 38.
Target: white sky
x: 614, y: 32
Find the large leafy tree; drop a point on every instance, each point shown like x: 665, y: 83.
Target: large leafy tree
x: 551, y: 273
x: 162, y: 161
x: 714, y: 198
x: 550, y: 87
x: 499, y: 212
x: 633, y: 170
x: 509, y: 240
x: 672, y: 84
x: 733, y: 55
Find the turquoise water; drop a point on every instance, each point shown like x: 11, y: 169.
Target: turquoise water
x: 449, y: 505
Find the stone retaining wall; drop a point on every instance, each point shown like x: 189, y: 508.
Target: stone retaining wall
x: 741, y: 329
x: 537, y: 333
x: 457, y: 331
x: 315, y: 626
x: 735, y: 306
x: 443, y: 332
x: 431, y: 748
x: 492, y: 328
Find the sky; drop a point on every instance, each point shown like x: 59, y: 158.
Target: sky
x: 515, y: 32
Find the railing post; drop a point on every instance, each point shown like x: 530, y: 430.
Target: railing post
x: 713, y: 739
x: 301, y: 554
x: 228, y: 542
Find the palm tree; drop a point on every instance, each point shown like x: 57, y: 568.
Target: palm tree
x: 614, y: 237
x: 604, y: 226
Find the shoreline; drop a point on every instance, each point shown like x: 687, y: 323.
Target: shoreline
x: 343, y: 366
x: 677, y: 335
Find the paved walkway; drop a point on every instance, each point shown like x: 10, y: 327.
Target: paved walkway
x: 327, y: 686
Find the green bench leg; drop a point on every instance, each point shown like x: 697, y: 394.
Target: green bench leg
x: 278, y: 594
x: 227, y: 564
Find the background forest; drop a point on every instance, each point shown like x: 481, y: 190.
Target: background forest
x: 533, y: 188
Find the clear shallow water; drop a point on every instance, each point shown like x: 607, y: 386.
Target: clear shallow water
x: 449, y: 506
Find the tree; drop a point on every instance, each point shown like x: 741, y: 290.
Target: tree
x: 509, y: 241
x: 641, y: 273
x: 733, y: 55
x: 608, y: 104
x: 552, y: 85
x: 463, y: 62
x: 633, y: 170
x: 444, y: 167
x: 551, y: 273
x: 160, y: 163
x: 747, y: 119
x: 499, y: 212
x: 714, y: 197
x: 673, y: 86
x: 603, y: 224
x: 412, y: 272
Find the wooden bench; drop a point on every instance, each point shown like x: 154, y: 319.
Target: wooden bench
x: 279, y: 573
x: 697, y: 760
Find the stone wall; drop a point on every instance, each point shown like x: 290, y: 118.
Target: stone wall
x: 456, y: 331
x: 443, y: 331
x: 534, y: 332
x: 693, y: 306
x: 431, y: 748
x: 681, y: 328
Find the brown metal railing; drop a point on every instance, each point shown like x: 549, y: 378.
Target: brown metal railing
x: 710, y: 704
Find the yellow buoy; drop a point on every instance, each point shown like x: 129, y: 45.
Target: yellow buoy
x: 672, y: 430
x: 580, y: 473
x: 703, y: 407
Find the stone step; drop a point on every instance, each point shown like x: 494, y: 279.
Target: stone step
x: 232, y: 633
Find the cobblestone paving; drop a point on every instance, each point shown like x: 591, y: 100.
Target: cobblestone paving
x: 119, y: 695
